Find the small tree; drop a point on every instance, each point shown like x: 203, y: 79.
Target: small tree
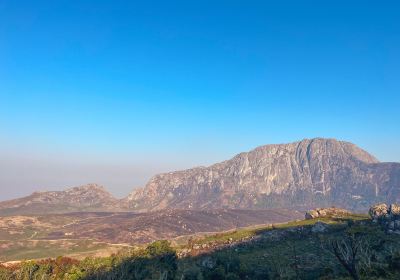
x: 352, y: 250
x: 165, y: 257
x: 346, y: 252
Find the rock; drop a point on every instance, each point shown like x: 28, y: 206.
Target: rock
x: 184, y: 253
x: 379, y: 211
x: 332, y: 212
x: 387, y: 217
x: 312, y: 214
x: 394, y: 210
x: 319, y: 227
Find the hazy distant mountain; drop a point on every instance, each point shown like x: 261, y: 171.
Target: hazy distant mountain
x: 305, y: 174
x: 90, y: 197
x: 301, y: 175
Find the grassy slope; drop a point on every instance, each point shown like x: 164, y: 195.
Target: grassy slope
x: 283, y: 251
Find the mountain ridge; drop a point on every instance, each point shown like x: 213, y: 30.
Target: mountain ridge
x: 261, y: 177
x: 317, y: 172
x: 89, y: 197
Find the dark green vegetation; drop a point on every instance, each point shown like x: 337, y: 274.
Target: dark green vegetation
x: 351, y: 247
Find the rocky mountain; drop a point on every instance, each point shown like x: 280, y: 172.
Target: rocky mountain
x: 306, y: 174
x: 302, y: 175
x: 89, y: 197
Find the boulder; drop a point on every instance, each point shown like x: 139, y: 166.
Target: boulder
x: 394, y: 210
x: 331, y: 212
x: 388, y: 217
x: 379, y: 211
x: 312, y: 214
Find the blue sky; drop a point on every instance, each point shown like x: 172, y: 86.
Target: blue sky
x: 116, y: 91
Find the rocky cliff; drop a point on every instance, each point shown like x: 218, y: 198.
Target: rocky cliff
x: 305, y: 174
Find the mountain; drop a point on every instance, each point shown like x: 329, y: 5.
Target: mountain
x: 306, y: 174
x: 89, y: 197
x: 301, y: 175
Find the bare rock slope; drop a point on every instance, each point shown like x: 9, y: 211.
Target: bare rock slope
x: 302, y: 175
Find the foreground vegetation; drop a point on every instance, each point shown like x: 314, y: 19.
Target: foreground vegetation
x: 351, y: 247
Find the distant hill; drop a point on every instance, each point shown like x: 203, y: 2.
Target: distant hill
x: 89, y: 197
x: 306, y: 174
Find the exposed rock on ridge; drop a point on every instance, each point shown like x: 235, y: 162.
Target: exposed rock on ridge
x: 387, y: 216
x: 331, y: 212
x: 310, y: 173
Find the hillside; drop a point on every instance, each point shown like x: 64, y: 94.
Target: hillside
x: 295, y: 250
x: 51, y: 235
x: 310, y: 173
x: 89, y: 197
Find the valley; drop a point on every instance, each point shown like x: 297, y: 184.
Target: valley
x: 94, y: 233
x: 302, y: 249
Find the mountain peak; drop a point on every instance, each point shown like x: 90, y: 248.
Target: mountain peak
x: 90, y: 197
x: 318, y: 171
x: 321, y: 146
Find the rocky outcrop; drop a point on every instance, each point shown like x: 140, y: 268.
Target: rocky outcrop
x: 394, y: 210
x: 379, y: 211
x: 387, y: 216
x: 302, y: 175
x: 331, y: 212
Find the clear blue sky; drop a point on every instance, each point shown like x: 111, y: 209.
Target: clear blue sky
x: 115, y: 91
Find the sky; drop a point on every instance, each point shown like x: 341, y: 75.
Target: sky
x: 114, y: 92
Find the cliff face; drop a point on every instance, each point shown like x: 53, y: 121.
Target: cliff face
x: 310, y: 173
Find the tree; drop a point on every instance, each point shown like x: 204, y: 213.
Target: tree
x: 352, y: 250
x: 165, y: 257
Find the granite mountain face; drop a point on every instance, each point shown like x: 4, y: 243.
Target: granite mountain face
x: 301, y: 175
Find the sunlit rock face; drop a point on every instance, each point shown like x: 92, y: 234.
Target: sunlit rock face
x: 387, y: 216
x: 305, y: 174
x: 331, y: 212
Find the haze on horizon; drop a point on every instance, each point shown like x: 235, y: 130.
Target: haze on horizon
x: 116, y: 92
